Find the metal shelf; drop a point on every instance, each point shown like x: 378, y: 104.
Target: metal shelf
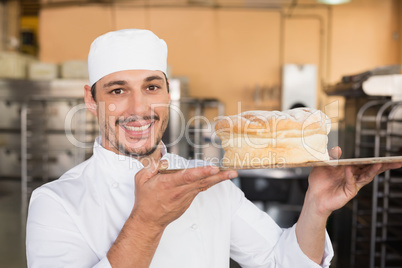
x: 377, y: 213
x: 46, y: 151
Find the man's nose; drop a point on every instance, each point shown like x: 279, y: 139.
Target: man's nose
x: 138, y: 103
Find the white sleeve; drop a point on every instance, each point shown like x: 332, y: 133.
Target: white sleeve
x: 53, y: 240
x: 257, y: 241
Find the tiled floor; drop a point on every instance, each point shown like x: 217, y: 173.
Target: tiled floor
x: 12, y: 234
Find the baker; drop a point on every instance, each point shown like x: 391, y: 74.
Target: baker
x: 116, y: 210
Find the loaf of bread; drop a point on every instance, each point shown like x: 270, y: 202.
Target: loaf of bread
x: 264, y: 138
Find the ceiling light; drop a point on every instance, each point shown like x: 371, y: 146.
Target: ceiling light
x: 333, y: 2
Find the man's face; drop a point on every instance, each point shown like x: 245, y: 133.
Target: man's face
x: 132, y: 109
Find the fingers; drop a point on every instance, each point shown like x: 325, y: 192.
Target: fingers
x: 335, y: 153
x: 192, y: 175
x: 192, y: 179
x: 350, y: 176
x: 150, y: 170
x: 163, y: 164
x: 366, y: 174
x: 202, y: 178
x: 389, y: 166
x: 205, y: 183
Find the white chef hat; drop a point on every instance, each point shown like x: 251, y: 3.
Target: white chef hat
x: 128, y: 49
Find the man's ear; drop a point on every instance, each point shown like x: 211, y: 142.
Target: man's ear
x: 90, y: 103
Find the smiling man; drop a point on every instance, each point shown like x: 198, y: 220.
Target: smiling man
x: 127, y: 75
x: 116, y: 210
x: 134, y: 113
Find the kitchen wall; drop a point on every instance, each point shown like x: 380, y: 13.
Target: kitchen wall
x: 399, y: 35
x: 227, y: 52
x: 364, y: 36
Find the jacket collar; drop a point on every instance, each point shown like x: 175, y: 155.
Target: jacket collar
x: 113, y: 163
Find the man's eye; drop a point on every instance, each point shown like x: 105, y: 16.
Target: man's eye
x: 117, y: 91
x: 152, y: 88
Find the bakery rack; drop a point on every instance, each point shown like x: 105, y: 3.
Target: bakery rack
x: 56, y: 134
x: 377, y: 209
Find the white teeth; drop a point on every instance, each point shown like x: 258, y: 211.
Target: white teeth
x: 141, y: 128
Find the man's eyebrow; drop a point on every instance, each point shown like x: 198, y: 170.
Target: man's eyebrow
x: 153, y: 77
x: 116, y: 82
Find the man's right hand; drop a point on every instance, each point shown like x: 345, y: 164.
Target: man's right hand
x: 162, y: 198
x: 159, y: 200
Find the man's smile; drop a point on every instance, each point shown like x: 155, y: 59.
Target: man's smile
x: 140, y: 128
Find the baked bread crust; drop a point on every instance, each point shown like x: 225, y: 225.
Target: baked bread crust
x: 256, y: 138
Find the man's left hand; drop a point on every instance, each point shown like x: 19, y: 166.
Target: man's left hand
x: 333, y: 186
x: 330, y: 188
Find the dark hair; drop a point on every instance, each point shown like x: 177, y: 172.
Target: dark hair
x: 93, y: 88
x: 93, y: 92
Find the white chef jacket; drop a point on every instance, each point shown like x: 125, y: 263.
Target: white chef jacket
x: 73, y: 221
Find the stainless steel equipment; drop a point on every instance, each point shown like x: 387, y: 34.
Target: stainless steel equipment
x: 377, y: 214
x: 50, y: 101
x: 35, y: 145
x: 173, y: 136
x: 190, y: 132
x: 371, y: 127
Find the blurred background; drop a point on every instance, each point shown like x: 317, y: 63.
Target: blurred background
x: 225, y: 57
